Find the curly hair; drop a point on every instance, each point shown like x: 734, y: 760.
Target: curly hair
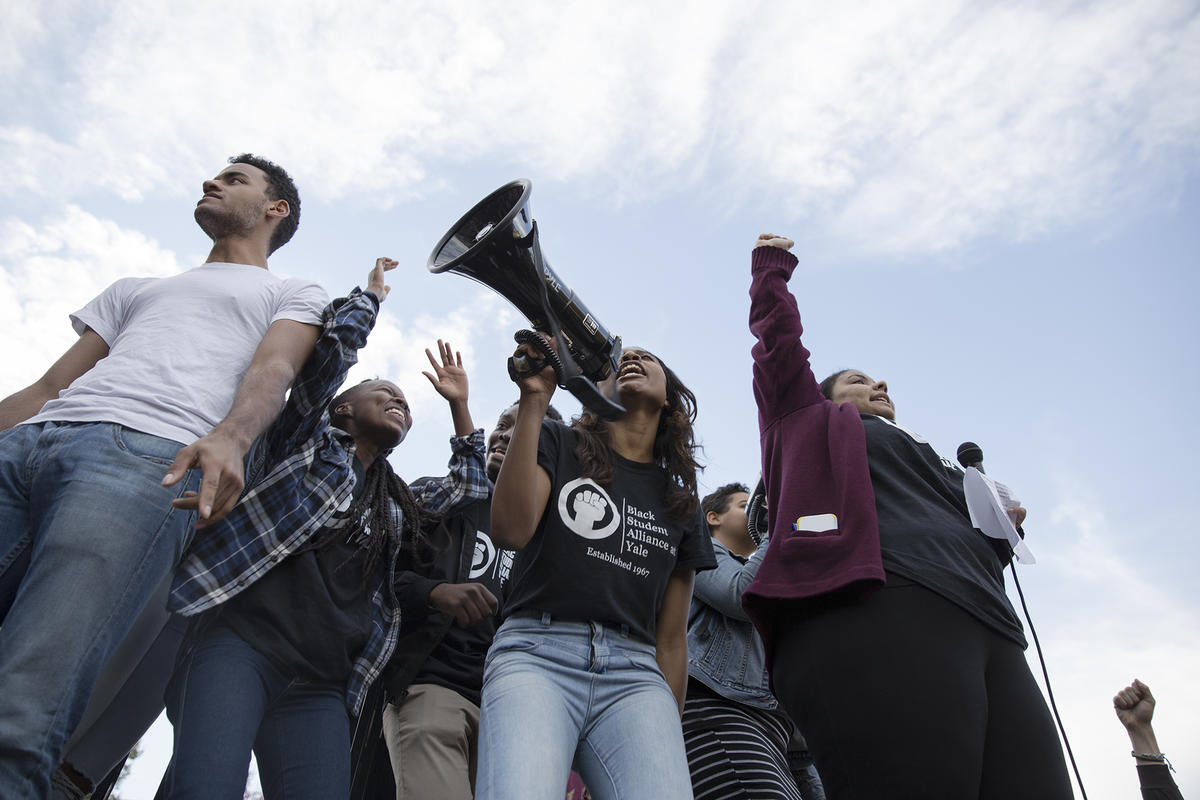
x: 674, y: 447
x: 280, y: 186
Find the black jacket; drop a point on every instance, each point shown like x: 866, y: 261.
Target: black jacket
x: 446, y: 559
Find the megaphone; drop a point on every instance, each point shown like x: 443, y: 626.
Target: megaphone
x: 496, y: 244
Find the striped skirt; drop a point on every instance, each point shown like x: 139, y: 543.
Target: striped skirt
x: 735, y: 751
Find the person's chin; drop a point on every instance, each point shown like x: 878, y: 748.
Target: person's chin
x: 396, y: 435
x: 493, y: 464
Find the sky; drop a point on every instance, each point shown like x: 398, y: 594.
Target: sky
x: 996, y: 209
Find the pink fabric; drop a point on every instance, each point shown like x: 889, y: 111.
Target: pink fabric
x: 575, y: 788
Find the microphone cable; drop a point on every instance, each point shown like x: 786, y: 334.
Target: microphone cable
x: 1012, y: 566
x: 971, y: 455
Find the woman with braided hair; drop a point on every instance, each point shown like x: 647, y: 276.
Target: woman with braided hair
x: 295, y: 587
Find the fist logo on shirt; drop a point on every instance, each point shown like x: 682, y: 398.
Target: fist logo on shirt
x: 587, y: 510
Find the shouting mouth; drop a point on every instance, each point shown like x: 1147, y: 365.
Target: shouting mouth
x: 630, y: 368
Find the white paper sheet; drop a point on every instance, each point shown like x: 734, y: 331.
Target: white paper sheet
x: 988, y: 503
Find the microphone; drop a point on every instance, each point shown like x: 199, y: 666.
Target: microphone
x: 970, y: 455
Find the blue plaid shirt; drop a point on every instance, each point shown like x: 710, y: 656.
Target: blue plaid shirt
x: 307, y: 484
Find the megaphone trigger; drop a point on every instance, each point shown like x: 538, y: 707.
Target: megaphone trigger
x: 522, y: 366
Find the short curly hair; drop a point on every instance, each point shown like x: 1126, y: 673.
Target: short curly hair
x: 280, y: 186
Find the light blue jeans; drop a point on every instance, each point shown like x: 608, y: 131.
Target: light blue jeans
x: 556, y: 692
x: 86, y: 534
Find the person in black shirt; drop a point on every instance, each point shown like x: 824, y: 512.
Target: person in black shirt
x: 449, y: 601
x: 919, y: 688
x: 590, y: 663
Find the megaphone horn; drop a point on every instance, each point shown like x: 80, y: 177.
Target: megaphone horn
x: 496, y: 244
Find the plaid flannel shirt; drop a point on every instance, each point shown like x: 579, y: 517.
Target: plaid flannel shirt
x: 307, y: 479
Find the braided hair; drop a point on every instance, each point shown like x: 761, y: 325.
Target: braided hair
x: 371, y: 511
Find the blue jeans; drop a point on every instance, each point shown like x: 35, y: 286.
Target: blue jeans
x: 86, y: 534
x: 227, y: 699
x: 127, y: 698
x: 554, y: 692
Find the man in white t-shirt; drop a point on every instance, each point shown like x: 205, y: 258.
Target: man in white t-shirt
x: 154, y: 406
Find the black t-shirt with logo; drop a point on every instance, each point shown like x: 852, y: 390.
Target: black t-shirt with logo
x: 457, y: 661
x: 925, y: 531
x: 604, y: 553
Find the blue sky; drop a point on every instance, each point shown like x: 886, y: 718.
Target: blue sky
x: 996, y: 209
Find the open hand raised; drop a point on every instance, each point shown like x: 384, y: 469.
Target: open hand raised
x: 449, y: 379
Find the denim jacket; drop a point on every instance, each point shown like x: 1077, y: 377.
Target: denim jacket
x: 724, y: 651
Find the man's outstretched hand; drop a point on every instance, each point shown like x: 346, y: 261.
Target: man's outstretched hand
x: 219, y: 459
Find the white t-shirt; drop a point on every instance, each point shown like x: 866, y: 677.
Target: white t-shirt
x: 178, y: 347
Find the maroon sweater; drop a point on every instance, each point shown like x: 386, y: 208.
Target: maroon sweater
x: 814, y: 462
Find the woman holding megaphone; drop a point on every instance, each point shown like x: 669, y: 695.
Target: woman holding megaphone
x: 889, y: 636
x: 590, y: 664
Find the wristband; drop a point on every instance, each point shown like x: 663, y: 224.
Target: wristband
x: 1161, y: 758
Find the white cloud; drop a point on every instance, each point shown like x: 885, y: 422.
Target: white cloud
x: 1104, y: 619
x: 923, y: 126
x: 397, y: 352
x: 908, y: 127
x: 50, y: 270
x: 22, y: 31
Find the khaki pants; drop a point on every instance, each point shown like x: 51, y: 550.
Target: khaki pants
x: 431, y: 737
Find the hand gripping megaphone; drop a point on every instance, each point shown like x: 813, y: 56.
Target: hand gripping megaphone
x: 496, y: 244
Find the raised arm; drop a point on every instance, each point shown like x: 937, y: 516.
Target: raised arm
x: 783, y: 379
x: 722, y: 588
x: 346, y: 323
x: 449, y: 379
x: 523, y: 487
x: 464, y: 484
x: 671, y: 633
x: 1135, y: 709
x: 467, y: 481
x: 79, y: 358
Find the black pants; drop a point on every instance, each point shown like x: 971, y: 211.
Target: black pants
x: 902, y: 694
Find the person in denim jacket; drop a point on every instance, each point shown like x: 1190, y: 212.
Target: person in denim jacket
x: 736, y: 735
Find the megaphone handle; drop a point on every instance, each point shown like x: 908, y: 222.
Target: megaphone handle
x: 523, y: 366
